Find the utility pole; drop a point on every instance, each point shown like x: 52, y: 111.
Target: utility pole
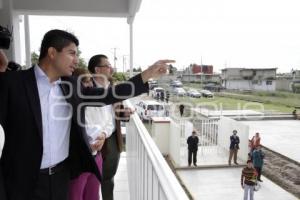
x: 124, y: 63
x: 115, y: 59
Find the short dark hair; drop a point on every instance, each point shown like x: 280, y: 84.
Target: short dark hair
x: 57, y: 39
x: 95, y: 61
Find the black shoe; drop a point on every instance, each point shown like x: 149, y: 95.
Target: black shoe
x: 236, y: 163
x: 189, y: 165
x: 259, y: 180
x: 195, y: 164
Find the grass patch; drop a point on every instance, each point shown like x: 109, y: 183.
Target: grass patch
x: 228, y: 103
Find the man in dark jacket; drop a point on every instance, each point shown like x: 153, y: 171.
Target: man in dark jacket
x: 192, y: 142
x: 41, y: 111
x: 234, y: 147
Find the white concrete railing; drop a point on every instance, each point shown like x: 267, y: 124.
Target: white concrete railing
x: 149, y: 176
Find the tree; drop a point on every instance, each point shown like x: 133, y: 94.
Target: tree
x: 81, y: 61
x: 172, y: 69
x: 119, y: 76
x: 34, y: 58
x: 137, y: 69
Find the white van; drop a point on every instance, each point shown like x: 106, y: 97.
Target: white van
x: 147, y: 109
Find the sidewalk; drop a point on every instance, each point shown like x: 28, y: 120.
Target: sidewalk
x: 225, y: 184
x: 121, y: 190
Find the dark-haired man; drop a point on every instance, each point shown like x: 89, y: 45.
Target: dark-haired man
x: 233, y: 147
x: 192, y: 142
x: 41, y: 114
x: 101, y: 69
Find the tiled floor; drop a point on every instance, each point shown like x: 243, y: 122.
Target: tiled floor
x: 121, y: 190
x: 282, y: 136
x: 224, y: 183
x: 207, y: 155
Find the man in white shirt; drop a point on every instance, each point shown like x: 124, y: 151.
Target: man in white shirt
x: 101, y: 69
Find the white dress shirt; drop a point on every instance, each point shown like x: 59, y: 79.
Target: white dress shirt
x: 56, y: 120
x: 99, y: 120
x: 1, y: 140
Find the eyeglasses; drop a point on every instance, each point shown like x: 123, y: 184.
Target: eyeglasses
x: 109, y: 66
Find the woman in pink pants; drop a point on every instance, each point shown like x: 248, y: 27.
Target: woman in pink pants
x: 86, y: 186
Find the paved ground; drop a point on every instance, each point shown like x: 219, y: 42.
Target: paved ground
x: 207, y: 155
x: 224, y: 183
x: 282, y: 136
x: 121, y: 191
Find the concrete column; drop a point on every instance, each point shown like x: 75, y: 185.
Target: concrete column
x: 131, y: 48
x: 16, y: 44
x: 27, y: 41
x: 160, y: 131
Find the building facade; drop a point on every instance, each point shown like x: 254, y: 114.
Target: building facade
x: 263, y: 79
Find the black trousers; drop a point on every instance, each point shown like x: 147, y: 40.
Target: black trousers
x: 2, y: 190
x: 258, y: 170
x: 109, y: 168
x: 194, y: 153
x: 53, y: 187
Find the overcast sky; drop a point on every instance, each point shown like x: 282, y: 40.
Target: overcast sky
x: 231, y: 33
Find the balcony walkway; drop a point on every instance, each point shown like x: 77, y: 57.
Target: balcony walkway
x: 121, y: 190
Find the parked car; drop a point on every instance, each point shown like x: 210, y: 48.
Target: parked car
x: 152, y: 84
x: 179, y: 91
x: 193, y: 93
x: 207, y: 93
x: 176, y: 83
x: 158, y: 93
x: 147, y: 109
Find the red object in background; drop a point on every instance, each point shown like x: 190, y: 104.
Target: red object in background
x: 205, y: 69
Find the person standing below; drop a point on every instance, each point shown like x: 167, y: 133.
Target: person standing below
x: 258, y: 161
x: 234, y: 147
x: 248, y: 180
x: 167, y: 96
x: 181, y: 109
x: 192, y: 142
x: 255, y: 141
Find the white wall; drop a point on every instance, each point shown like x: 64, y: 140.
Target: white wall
x: 174, y: 145
x: 247, y: 85
x: 226, y: 126
x: 264, y: 87
x: 160, y: 131
x: 284, y: 84
x: 238, y: 84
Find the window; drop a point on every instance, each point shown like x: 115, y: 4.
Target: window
x: 268, y: 82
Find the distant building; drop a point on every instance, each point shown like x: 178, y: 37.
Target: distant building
x: 285, y: 81
x: 249, y: 79
x: 204, y: 69
x: 200, y: 73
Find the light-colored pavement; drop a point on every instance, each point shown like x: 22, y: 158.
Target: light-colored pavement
x: 224, y: 184
x: 121, y: 190
x: 207, y: 155
x: 282, y: 136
